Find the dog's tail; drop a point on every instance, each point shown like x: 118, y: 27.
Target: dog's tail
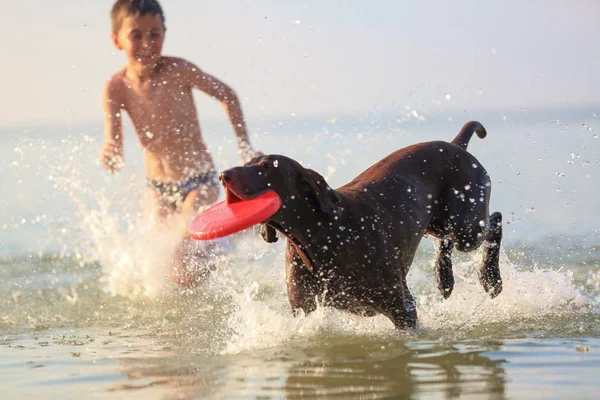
x: 463, y: 137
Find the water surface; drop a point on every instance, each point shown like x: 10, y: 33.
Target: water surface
x: 87, y: 307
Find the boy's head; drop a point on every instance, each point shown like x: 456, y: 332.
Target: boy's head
x: 125, y: 8
x: 138, y: 28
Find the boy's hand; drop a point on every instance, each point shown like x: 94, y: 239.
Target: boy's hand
x: 111, y: 156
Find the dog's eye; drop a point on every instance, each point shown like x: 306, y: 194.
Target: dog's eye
x: 268, y: 164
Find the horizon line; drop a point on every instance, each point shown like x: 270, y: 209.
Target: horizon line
x: 342, y: 115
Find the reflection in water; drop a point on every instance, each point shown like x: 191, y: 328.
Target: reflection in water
x: 353, y: 369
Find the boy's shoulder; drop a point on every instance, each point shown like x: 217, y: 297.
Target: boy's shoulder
x: 176, y: 62
x: 116, y: 83
x: 178, y: 65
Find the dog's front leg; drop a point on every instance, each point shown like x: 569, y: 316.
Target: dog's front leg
x: 404, y: 314
x: 399, y: 306
x: 302, y: 286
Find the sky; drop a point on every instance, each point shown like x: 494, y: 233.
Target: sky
x: 314, y: 57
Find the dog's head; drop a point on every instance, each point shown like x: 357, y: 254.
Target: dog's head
x: 303, y: 191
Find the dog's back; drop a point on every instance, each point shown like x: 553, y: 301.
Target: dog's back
x: 427, y: 187
x: 430, y: 167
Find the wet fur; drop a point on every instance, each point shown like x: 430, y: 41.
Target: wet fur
x: 352, y: 247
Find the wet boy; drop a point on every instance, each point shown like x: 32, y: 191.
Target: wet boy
x: 156, y: 93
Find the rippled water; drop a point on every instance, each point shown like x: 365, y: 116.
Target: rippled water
x: 88, y: 309
x: 237, y: 337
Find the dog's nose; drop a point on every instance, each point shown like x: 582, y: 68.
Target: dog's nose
x: 226, y: 176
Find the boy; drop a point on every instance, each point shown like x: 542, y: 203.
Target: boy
x: 156, y: 93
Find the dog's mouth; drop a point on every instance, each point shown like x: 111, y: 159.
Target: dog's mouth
x: 231, y: 197
x: 235, y: 196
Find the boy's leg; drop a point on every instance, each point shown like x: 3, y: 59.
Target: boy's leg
x: 191, y: 265
x: 162, y: 208
x: 201, y: 197
x: 190, y: 261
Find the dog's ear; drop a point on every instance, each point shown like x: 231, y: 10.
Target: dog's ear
x: 327, y: 197
x: 268, y: 233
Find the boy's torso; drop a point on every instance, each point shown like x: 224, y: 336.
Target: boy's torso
x: 165, y: 120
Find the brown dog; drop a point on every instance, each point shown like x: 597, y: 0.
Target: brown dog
x: 352, y: 247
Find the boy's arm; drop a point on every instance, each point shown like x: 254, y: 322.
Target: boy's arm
x: 230, y: 102
x: 111, y: 155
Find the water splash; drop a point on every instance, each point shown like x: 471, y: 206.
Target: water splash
x: 529, y: 299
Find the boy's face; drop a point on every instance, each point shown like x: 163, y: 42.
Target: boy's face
x: 141, y: 38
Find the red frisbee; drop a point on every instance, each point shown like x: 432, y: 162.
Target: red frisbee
x: 224, y: 218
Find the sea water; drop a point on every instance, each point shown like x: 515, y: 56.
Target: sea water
x: 88, y: 307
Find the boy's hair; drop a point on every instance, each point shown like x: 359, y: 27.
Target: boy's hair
x: 123, y: 8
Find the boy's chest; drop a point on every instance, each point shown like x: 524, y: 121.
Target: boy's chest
x: 158, y: 97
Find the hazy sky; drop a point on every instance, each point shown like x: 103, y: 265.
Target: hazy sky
x: 314, y: 57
